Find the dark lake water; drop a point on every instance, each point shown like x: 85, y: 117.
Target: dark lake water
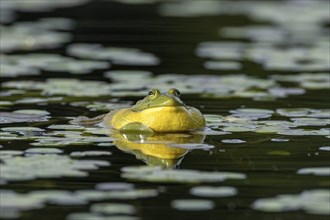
x: 257, y: 70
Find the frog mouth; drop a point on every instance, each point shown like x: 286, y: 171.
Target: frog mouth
x: 172, y: 103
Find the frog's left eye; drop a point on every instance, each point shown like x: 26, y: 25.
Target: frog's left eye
x: 154, y: 93
x: 174, y: 92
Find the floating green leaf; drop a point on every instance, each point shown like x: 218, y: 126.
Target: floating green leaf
x: 156, y: 174
x: 192, y: 204
x: 213, y: 191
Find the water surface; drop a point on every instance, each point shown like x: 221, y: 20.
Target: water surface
x: 258, y: 71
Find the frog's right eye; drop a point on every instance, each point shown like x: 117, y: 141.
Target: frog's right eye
x: 175, y: 92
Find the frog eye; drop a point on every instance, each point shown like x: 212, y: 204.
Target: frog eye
x: 154, y: 93
x: 174, y: 92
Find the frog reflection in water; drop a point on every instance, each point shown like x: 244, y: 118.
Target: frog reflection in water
x: 158, y: 149
x: 148, y: 128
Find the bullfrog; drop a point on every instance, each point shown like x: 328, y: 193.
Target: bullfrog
x: 157, y: 112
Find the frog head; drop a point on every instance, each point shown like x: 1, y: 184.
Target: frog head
x: 156, y: 99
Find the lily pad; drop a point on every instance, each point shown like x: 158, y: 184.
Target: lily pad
x: 97, y: 216
x: 66, y: 127
x: 10, y: 117
x: 311, y: 201
x: 121, y: 56
x: 29, y: 37
x: 76, y: 66
x: 123, y: 75
x: 32, y: 112
x: 233, y: 141
x: 43, y: 151
x: 6, y: 103
x: 114, y: 186
x: 89, y: 153
x: 213, y: 191
x: 192, y: 204
x: 222, y: 65
x: 156, y: 174
x: 303, y: 132
x: 113, y: 208
x: 45, y: 166
x: 20, y: 129
x: 318, y: 171
x: 11, y: 152
x: 325, y: 148
x: 293, y: 112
